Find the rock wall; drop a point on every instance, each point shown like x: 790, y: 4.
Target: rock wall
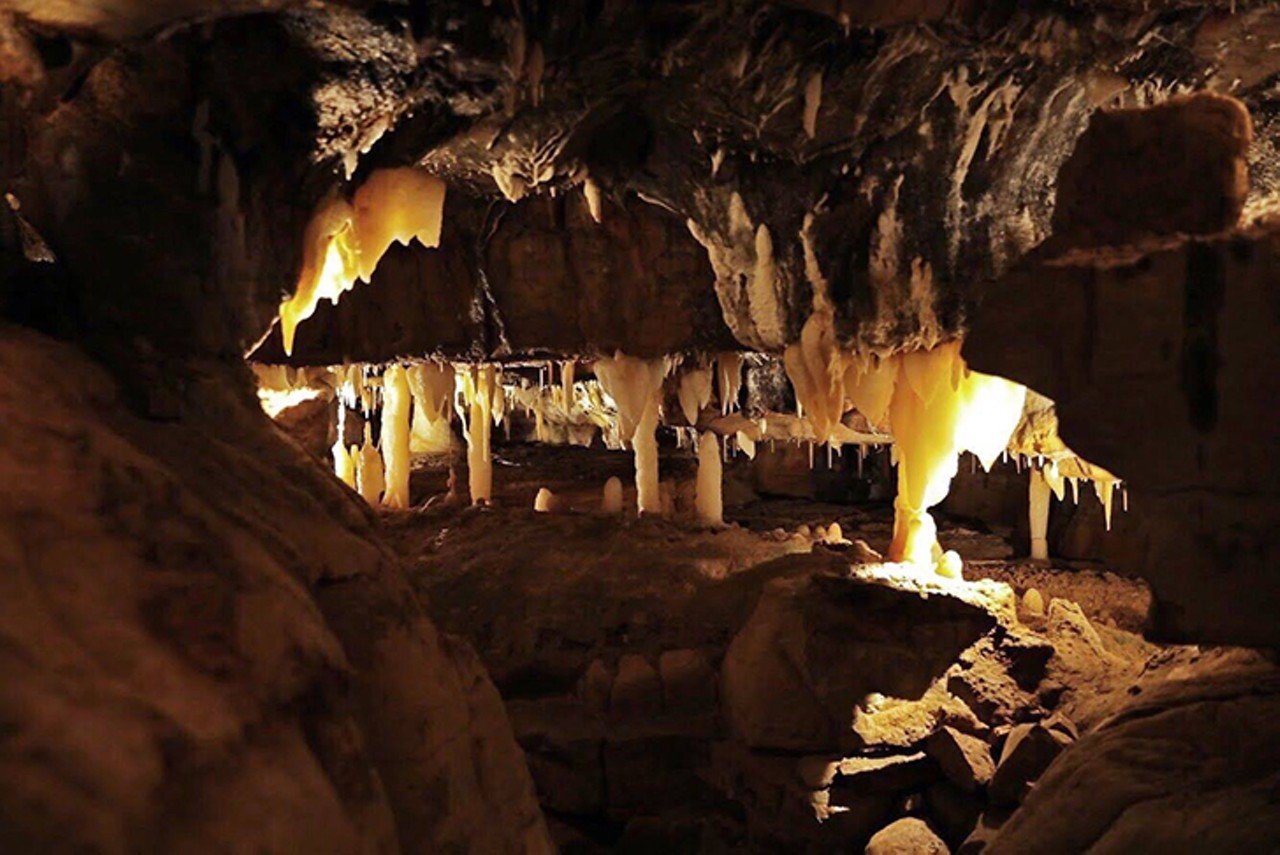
x: 1155, y: 357
x: 206, y: 645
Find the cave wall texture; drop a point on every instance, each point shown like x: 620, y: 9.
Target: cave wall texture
x: 167, y: 158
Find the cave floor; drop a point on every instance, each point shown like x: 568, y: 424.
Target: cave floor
x: 610, y: 639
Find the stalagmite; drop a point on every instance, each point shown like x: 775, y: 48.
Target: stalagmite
x: 708, y: 500
x: 1033, y: 601
x: 636, y: 388
x: 475, y: 385
x: 729, y: 380
x: 611, y: 502
x: 566, y: 384
x: 644, y: 444
x: 344, y: 241
x: 369, y: 481
x: 694, y: 393
x: 1039, y: 501
x: 395, y: 437
x: 343, y: 465
x: 812, y: 103
x: 544, y: 501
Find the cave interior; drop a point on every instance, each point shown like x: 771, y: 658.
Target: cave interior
x: 608, y: 426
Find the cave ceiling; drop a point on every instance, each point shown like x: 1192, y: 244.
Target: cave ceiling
x: 895, y: 157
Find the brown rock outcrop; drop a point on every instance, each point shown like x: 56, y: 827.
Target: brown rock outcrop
x: 206, y: 645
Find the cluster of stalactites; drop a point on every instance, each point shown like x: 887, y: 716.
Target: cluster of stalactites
x: 635, y: 385
x: 417, y: 403
x: 933, y: 404
x: 345, y: 240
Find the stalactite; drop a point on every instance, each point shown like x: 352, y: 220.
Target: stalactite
x: 396, y: 205
x: 1106, y: 491
x: 395, y: 437
x: 330, y: 264
x: 868, y: 384
x: 708, y: 500
x: 344, y: 241
x: 591, y: 190
x: 747, y: 444
x: 729, y: 380
x: 694, y: 393
x: 812, y: 103
x: 816, y: 370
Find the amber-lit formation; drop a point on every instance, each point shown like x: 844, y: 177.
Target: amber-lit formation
x: 344, y: 241
x: 636, y: 386
x: 935, y: 405
x: 476, y: 389
x: 611, y: 500
x: 694, y: 393
x: 395, y: 437
x: 369, y: 479
x: 1038, y: 499
x: 431, y: 384
x: 708, y: 497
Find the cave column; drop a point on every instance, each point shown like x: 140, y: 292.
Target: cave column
x: 1039, y: 502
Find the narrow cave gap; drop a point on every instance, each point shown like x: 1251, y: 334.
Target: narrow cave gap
x: 644, y: 443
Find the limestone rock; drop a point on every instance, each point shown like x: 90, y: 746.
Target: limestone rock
x: 965, y: 760
x: 988, y: 827
x: 1028, y: 751
x: 858, y: 778
x: 637, y: 690
x: 952, y: 811
x: 1179, y: 166
x: 595, y: 687
x: 688, y: 682
x: 908, y: 834
x: 563, y: 746
x: 817, y: 647
x: 1194, y: 765
x: 207, y: 645
x: 1186, y: 320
